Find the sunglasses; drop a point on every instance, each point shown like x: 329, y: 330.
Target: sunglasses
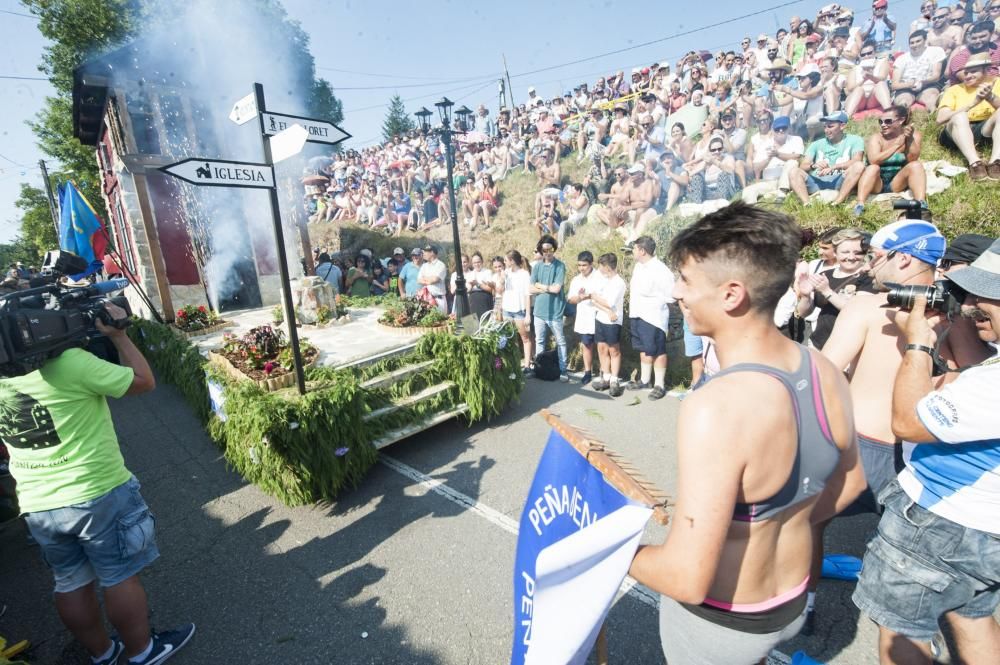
x: 781, y: 129
x: 872, y: 255
x: 866, y: 54
x: 886, y: 121
x: 714, y: 150
x: 948, y: 264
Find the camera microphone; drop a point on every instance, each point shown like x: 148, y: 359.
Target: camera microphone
x: 104, y: 288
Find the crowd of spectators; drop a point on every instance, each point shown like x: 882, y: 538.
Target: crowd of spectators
x: 767, y: 117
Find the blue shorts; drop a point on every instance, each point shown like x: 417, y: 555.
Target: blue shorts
x: 607, y: 333
x: 110, y: 538
x: 587, y: 340
x: 517, y: 316
x: 647, y: 338
x: 693, y: 345
x: 920, y: 566
x: 814, y: 183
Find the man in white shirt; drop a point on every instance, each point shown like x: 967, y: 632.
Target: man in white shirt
x: 916, y: 76
x: 586, y: 282
x: 649, y: 312
x: 773, y: 155
x: 433, y: 275
x: 937, y: 549
x: 610, y: 303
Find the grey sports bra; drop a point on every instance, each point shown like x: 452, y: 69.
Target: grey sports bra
x: 816, y: 454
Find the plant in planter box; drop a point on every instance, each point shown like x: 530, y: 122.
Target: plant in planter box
x: 411, y: 312
x: 278, y: 314
x: 190, y: 318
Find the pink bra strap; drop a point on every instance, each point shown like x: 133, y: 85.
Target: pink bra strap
x: 763, y: 605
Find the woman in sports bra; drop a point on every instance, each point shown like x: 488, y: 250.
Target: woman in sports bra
x: 754, y: 475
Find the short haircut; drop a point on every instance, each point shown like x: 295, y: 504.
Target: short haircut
x: 322, y: 258
x: 848, y: 235
x: 647, y: 244
x: 546, y: 240
x: 756, y: 246
x: 585, y: 256
x: 826, y: 237
x: 610, y: 260
x: 982, y: 26
x: 918, y: 33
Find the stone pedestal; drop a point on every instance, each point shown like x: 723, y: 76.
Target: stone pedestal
x: 310, y: 294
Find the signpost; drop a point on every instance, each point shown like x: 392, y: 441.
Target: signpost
x: 224, y: 173
x: 319, y: 130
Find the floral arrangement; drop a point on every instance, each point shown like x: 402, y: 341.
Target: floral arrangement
x: 190, y: 318
x: 262, y: 352
x: 412, y: 312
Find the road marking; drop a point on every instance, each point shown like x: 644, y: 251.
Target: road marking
x: 628, y: 587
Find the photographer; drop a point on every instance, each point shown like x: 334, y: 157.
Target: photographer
x: 80, y: 502
x: 937, y: 550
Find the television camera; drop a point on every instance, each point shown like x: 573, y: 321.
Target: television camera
x: 40, y: 322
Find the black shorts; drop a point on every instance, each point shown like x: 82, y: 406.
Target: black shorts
x: 586, y: 339
x: 607, y: 333
x: 648, y: 339
x: 977, y: 135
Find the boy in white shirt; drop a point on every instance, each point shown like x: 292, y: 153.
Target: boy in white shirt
x: 610, y: 303
x: 585, y: 283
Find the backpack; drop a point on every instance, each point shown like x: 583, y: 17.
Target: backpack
x: 547, y: 365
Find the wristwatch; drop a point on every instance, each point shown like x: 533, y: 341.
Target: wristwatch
x: 920, y: 347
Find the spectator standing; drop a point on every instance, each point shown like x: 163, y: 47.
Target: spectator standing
x: 359, y: 277
x: 833, y: 162
x: 968, y: 111
x: 610, y: 303
x: 516, y: 303
x: 940, y: 527
x: 481, y: 287
x: 651, y: 287
x: 329, y: 272
x: 433, y: 274
x: 409, y: 275
x: 380, y: 279
x: 466, y: 270
x: 893, y: 156
x: 584, y: 285
x: 880, y: 27
x: 548, y: 277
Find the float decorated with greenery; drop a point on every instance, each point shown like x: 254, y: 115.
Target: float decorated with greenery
x: 307, y: 448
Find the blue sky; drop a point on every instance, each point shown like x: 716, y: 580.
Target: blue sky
x: 403, y: 47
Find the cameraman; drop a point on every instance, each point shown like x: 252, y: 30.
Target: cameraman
x: 937, y: 550
x: 81, y: 504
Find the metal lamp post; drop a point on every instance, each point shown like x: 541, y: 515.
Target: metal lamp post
x: 444, y: 110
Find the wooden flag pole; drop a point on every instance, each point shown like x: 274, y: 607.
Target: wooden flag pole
x: 622, y: 476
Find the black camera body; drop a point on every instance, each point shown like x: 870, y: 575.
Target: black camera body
x: 912, y: 209
x: 41, y: 322
x: 943, y: 296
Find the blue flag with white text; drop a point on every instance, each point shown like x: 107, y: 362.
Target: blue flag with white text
x: 577, y: 537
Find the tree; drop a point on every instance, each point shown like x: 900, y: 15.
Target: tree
x: 38, y: 234
x: 397, y: 120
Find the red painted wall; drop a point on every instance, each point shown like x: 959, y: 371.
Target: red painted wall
x: 175, y: 243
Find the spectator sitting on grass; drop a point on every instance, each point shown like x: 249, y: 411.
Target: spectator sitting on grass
x: 978, y: 41
x: 579, y: 205
x: 867, y: 85
x: 489, y: 201
x: 968, y: 112
x: 893, y: 160
x: 916, y: 75
x: 833, y: 162
x: 774, y: 153
x: 549, y: 219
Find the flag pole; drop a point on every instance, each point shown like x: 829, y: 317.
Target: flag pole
x: 52, y: 199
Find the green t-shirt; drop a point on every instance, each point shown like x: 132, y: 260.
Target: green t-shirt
x: 57, y: 428
x: 360, y: 288
x: 549, y: 306
x: 835, y: 154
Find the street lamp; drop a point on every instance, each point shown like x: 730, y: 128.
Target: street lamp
x: 444, y: 111
x: 423, y: 114
x: 464, y: 113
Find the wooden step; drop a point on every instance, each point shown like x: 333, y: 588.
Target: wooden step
x: 426, y: 393
x: 364, y: 361
x: 386, y: 380
x: 392, y: 437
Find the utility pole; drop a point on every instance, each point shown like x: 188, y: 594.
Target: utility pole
x: 53, y: 209
x: 510, y: 88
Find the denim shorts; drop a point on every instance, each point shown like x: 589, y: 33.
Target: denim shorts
x: 517, y: 316
x: 110, y: 538
x: 814, y: 183
x: 919, y: 567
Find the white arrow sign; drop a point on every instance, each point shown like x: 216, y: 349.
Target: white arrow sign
x: 221, y: 173
x: 287, y: 143
x: 244, y: 110
x: 320, y: 131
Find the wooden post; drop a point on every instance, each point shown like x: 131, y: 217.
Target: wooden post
x: 155, y: 252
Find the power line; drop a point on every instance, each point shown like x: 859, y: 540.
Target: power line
x: 23, y: 78
x: 412, y: 99
x: 479, y: 79
x: 5, y: 157
x: 675, y: 35
x: 388, y: 76
x: 7, y: 11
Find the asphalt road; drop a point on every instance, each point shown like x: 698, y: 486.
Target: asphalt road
x: 413, y: 567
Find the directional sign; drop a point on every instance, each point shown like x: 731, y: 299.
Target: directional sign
x: 287, y: 143
x: 320, y: 131
x: 221, y: 173
x: 244, y: 110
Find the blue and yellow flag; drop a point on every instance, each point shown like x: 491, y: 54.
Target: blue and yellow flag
x: 81, y: 231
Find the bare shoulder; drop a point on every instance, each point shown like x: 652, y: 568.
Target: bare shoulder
x: 743, y: 393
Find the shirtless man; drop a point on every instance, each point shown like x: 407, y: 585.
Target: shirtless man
x: 636, y: 206
x: 735, y: 564
x: 613, y: 199
x: 549, y: 178
x: 942, y: 33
